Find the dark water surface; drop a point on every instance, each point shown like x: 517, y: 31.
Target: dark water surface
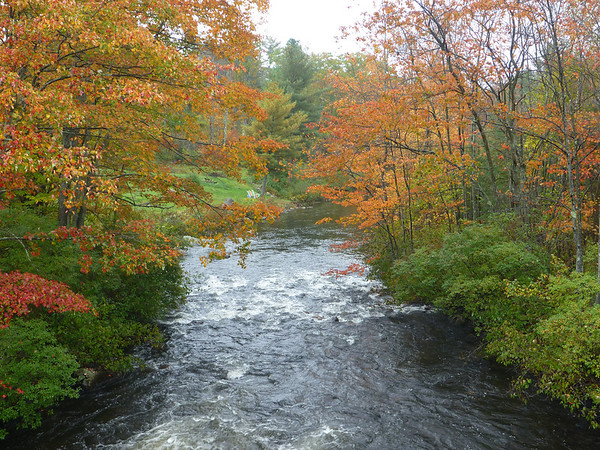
x: 280, y: 356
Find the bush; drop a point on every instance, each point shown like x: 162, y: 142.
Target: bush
x: 127, y: 307
x: 470, y: 264
x: 560, y: 355
x: 419, y: 277
x: 40, y: 352
x: 533, y: 313
x: 483, y: 250
x: 35, y: 372
x: 103, y: 342
x: 141, y: 297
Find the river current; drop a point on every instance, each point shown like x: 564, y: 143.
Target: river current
x: 281, y: 356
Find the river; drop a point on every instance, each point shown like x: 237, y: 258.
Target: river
x: 281, y: 356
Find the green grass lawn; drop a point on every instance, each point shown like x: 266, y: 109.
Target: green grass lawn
x: 222, y: 188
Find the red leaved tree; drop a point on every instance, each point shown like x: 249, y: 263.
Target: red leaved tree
x: 20, y: 292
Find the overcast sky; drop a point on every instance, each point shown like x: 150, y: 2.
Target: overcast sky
x: 314, y: 23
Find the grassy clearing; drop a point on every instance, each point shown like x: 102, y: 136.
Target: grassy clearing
x: 222, y: 188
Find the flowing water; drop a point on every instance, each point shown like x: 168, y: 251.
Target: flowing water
x: 279, y: 355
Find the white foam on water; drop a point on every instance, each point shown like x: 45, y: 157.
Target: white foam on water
x: 219, y: 285
x: 325, y: 437
x: 173, y: 434
x: 278, y: 297
x: 194, y: 432
x: 271, y: 283
x: 224, y: 291
x: 237, y: 373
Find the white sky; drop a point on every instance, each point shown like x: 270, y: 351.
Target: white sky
x: 314, y: 23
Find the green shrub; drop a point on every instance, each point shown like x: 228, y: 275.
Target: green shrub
x: 560, y: 356
x: 141, y: 297
x: 35, y: 372
x: 533, y: 313
x: 483, y: 250
x: 457, y: 274
x: 419, y: 277
x: 479, y: 300
x: 127, y: 307
x: 40, y: 352
x: 103, y: 342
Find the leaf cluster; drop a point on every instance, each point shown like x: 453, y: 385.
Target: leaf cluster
x: 35, y: 372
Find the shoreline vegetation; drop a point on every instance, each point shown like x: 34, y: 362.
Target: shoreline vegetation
x: 529, y: 310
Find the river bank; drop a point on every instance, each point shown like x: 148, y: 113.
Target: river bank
x: 533, y: 314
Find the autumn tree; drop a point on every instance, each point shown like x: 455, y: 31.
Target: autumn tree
x: 93, y: 95
x: 86, y: 88
x: 378, y: 159
x: 565, y: 120
x: 506, y: 93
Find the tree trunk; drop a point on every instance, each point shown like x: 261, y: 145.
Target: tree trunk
x: 63, y: 212
x: 73, y: 216
x: 263, y: 189
x: 575, y: 212
x: 570, y: 144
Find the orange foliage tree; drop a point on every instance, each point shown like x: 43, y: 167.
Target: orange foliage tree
x: 487, y: 107
x: 380, y: 156
x: 93, y: 93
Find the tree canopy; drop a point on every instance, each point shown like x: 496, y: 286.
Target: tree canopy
x: 94, y: 92
x: 470, y: 107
